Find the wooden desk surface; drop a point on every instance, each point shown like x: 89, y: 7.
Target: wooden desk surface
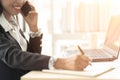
x: 111, y: 75
x: 38, y: 75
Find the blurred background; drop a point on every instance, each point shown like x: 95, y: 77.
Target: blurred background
x: 67, y: 23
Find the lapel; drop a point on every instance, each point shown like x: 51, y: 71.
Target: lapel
x: 8, y: 36
x: 1, y: 29
x: 28, y: 44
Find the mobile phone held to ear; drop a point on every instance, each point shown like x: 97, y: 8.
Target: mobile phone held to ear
x: 26, y: 8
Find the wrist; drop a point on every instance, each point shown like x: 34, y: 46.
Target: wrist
x: 36, y: 34
x: 34, y: 29
x: 60, y: 63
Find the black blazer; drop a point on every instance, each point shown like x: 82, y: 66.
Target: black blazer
x: 14, y: 62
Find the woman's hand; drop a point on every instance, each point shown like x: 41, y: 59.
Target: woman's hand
x: 32, y: 19
x: 76, y: 62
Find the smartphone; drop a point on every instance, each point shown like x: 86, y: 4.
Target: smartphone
x: 26, y: 8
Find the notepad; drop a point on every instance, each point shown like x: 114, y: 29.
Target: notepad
x: 91, y: 71
x: 80, y: 73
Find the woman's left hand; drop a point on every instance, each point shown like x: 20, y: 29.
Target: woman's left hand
x: 32, y: 19
x: 76, y: 62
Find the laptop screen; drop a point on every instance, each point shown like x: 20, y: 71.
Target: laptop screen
x: 112, y: 39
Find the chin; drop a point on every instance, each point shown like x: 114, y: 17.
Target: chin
x: 16, y: 13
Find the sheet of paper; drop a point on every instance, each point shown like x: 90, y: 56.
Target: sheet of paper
x: 112, y: 75
x: 95, y: 70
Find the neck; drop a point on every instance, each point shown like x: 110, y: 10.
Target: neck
x: 7, y: 15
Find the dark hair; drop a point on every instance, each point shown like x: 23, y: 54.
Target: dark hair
x: 1, y: 8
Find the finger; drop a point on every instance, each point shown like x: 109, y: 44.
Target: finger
x: 32, y: 7
x: 32, y: 12
x: 77, y: 68
x: 85, y: 58
x: 85, y: 63
x: 80, y: 67
x: 81, y: 59
x: 26, y: 8
x: 81, y: 64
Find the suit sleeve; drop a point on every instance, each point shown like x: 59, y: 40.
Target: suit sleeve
x: 35, y: 44
x: 14, y: 57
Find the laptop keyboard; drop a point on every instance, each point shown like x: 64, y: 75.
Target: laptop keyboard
x: 97, y: 53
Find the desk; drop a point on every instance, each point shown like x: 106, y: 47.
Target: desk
x: 39, y: 75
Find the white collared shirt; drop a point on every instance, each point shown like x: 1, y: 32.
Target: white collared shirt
x: 14, y: 31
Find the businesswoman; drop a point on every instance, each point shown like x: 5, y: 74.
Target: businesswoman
x: 17, y: 55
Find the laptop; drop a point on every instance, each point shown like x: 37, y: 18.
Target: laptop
x: 110, y: 50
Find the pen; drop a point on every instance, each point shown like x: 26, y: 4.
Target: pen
x: 80, y: 50
x: 118, y: 52
x: 82, y: 53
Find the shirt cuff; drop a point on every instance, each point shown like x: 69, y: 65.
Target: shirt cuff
x: 52, y: 63
x: 35, y: 34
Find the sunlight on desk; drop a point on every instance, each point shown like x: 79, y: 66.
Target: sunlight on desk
x: 110, y: 75
x: 37, y: 75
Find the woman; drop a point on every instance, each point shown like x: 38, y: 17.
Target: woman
x: 17, y: 55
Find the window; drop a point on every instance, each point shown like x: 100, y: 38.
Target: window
x: 74, y: 21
